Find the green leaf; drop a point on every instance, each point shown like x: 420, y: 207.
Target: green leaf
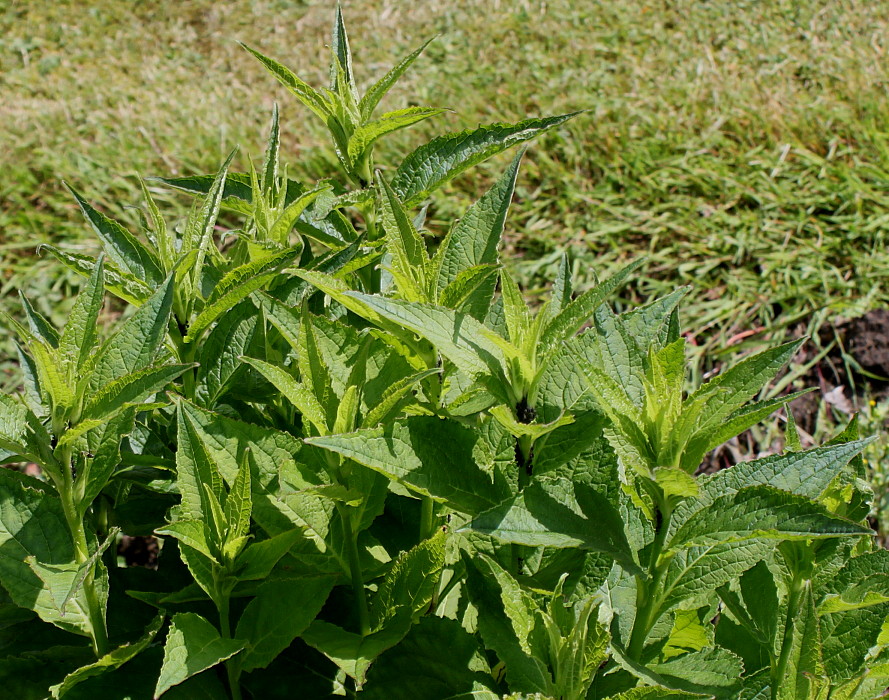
x: 351, y: 652
x: 122, y: 247
x: 193, y: 645
x: 194, y: 533
x: 711, y: 671
x: 474, y: 241
x: 136, y: 342
x: 434, y: 457
x: 37, y: 567
x: 110, y: 661
x: 306, y: 94
x: 238, y: 284
x: 39, y: 326
x: 458, y: 336
x: 239, y: 503
x: 366, y: 134
x: 237, y: 186
x: 104, y: 443
x: 341, y: 57
x: 445, y: 157
x: 280, y: 229
x: 410, y: 584
x: 122, y: 284
x: 130, y: 390
x: 79, y: 336
x: 259, y: 558
x: 281, y: 610
x: 469, y: 288
x: 761, y: 512
x: 558, y: 513
x: 384, y: 409
x: 437, y: 659
x: 506, y: 621
x: 220, y: 353
x: 295, y: 392
x: 568, y: 321
x: 378, y: 90
x: 409, y: 257
x: 804, y: 667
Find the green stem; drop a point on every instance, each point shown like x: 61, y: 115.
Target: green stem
x: 793, y: 600
x: 355, y: 573
x: 82, y: 555
x: 427, y: 518
x: 232, y: 666
x: 647, y: 599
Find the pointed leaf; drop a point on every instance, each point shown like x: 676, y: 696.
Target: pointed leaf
x: 306, y: 94
x: 378, y: 90
x: 443, y: 158
x: 193, y: 645
x: 366, y: 134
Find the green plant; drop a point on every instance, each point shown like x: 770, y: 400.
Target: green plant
x: 364, y: 453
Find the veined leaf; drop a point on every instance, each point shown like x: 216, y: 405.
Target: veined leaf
x: 409, y: 257
x: 237, y: 185
x: 39, y: 326
x: 136, y: 342
x: 219, y: 354
x: 474, y: 240
x: 121, y: 284
x: 129, y: 390
x: 435, y: 457
x: 445, y: 157
x: 256, y: 562
x: 294, y: 391
x: 129, y: 253
x: 568, y: 321
x: 110, y: 661
x: 377, y: 91
x: 236, y: 285
x: 410, y: 584
x: 393, y: 396
x: 366, y: 134
x: 193, y: 645
x: 306, y: 94
x: 557, y: 513
x: 280, y: 230
x: 79, y: 336
x: 281, y: 610
x: 761, y: 512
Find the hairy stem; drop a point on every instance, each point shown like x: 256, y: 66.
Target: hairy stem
x: 355, y: 573
x: 793, y: 600
x: 82, y: 555
x: 232, y: 666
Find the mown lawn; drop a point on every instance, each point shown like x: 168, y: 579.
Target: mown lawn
x: 742, y: 146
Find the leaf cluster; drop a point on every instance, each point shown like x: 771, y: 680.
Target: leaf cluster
x: 362, y: 448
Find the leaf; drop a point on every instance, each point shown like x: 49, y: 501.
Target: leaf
x: 351, y: 652
x: 236, y: 285
x: 306, y: 94
x: 712, y: 671
x: 384, y: 409
x: 239, y: 503
x: 110, y: 661
x: 457, y: 336
x: 79, y: 336
x: 281, y: 610
x: 130, y: 390
x: 193, y: 645
x: 761, y: 512
x: 417, y: 668
x: 366, y: 134
x: 130, y: 254
x: 280, y: 229
x: 122, y: 284
x: 136, y: 342
x: 445, y: 157
x: 194, y: 533
x: 434, y: 457
x: 404, y: 244
x: 804, y: 667
x: 256, y: 562
x: 506, y: 622
x: 95, y: 473
x: 295, y: 392
x: 39, y: 326
x: 377, y: 91
x: 474, y: 240
x: 220, y: 353
x: 237, y: 185
x: 557, y: 513
x: 568, y: 321
x: 341, y: 58
x: 410, y: 584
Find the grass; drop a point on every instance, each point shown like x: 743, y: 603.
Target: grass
x: 742, y: 146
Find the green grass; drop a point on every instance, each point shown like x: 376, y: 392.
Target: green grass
x: 742, y: 146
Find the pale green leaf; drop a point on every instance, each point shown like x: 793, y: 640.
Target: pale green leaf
x: 378, y: 90
x: 193, y: 645
x: 366, y: 134
x: 306, y: 94
x: 433, y: 164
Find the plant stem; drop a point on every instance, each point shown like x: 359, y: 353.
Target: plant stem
x: 647, y: 599
x: 793, y: 600
x: 232, y: 666
x: 355, y: 573
x: 427, y: 518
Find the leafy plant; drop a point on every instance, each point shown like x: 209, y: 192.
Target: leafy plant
x: 361, y: 448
